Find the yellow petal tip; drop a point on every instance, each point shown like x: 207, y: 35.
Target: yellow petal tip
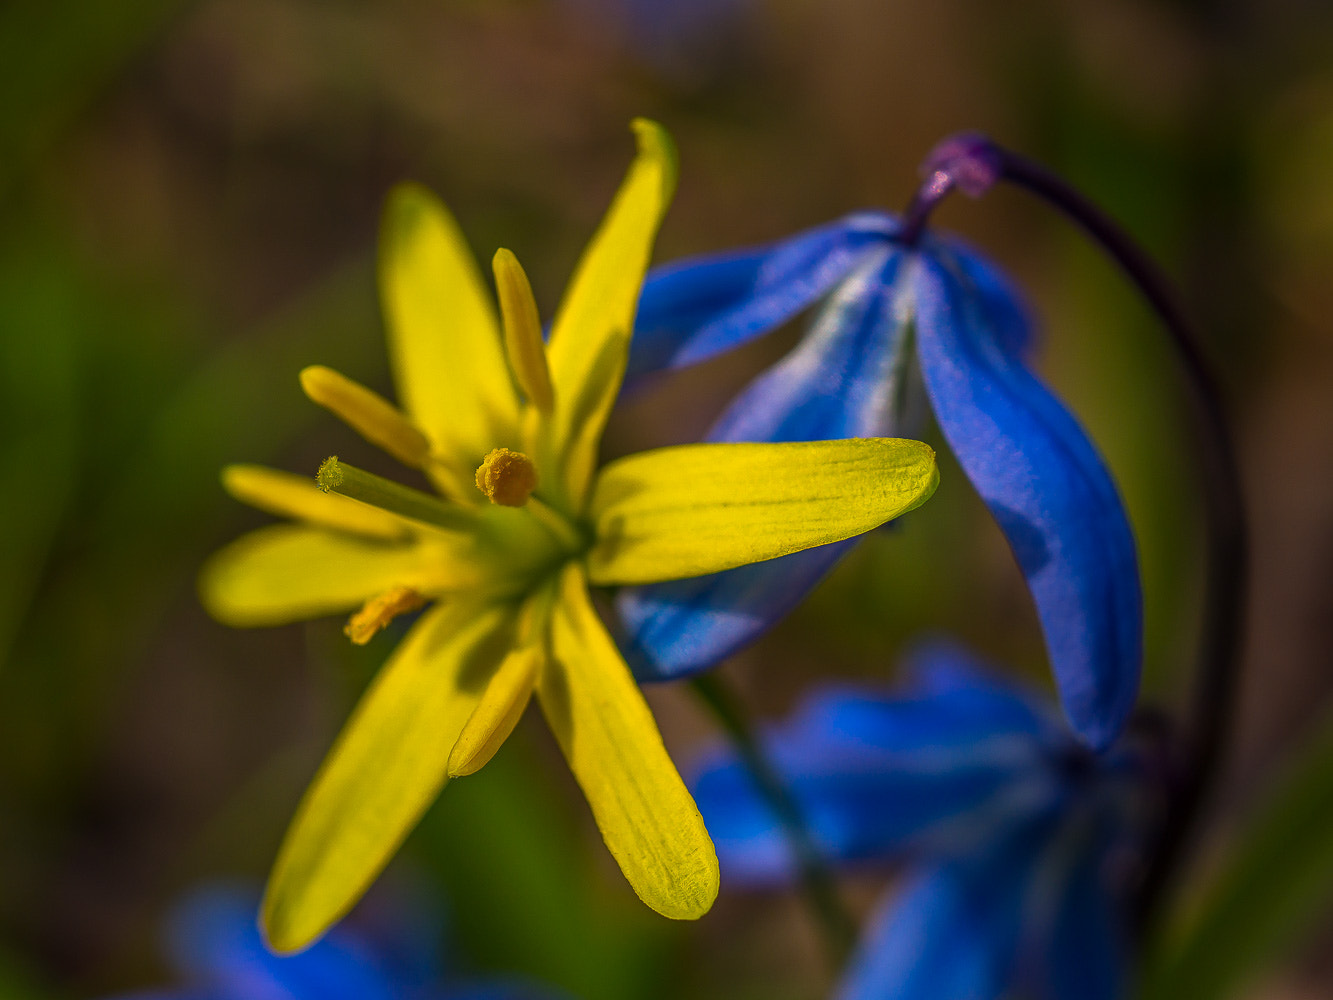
x: 467, y: 760
x: 655, y: 142
x: 687, y: 895
x: 279, y: 936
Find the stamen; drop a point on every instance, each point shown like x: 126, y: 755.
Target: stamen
x: 507, y: 477
x: 339, y: 477
x: 368, y: 413
x: 523, y: 330
x: 377, y: 612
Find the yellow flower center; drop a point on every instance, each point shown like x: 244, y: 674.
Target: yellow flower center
x: 507, y: 477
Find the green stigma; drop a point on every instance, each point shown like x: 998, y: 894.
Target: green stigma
x: 330, y: 474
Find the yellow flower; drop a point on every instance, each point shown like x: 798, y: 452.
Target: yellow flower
x: 490, y: 412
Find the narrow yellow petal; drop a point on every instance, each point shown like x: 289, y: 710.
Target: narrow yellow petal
x: 696, y: 509
x: 523, y: 330
x: 444, y: 341
x: 597, y: 712
x: 386, y: 767
x: 590, y: 336
x: 289, y: 495
x: 498, y: 713
x: 290, y: 572
x: 368, y: 413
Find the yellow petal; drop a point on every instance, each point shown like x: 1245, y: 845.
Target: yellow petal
x: 444, y: 341
x: 523, y: 330
x: 366, y: 412
x: 289, y: 572
x: 498, y: 713
x: 289, y: 495
x: 646, y: 815
x: 696, y: 509
x: 590, y: 336
x: 386, y: 767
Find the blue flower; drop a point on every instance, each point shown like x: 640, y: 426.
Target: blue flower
x: 932, y: 324
x: 1016, y: 840
x: 214, y: 944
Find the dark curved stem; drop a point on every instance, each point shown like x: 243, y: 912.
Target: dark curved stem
x: 974, y: 164
x: 817, y: 881
x: 935, y: 189
x: 1218, y: 670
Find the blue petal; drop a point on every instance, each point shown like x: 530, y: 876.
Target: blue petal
x: 950, y: 935
x: 1082, y: 946
x: 214, y: 939
x: 843, y: 380
x: 695, y: 308
x: 947, y: 668
x: 878, y: 776
x: 845, y: 377
x: 1010, y: 318
x: 404, y: 928
x: 671, y: 630
x: 1050, y: 493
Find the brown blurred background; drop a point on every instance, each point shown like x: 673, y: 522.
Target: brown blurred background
x: 189, y: 196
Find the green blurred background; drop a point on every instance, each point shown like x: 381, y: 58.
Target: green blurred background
x: 188, y: 205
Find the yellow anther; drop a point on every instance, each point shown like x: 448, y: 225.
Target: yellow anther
x: 523, y: 330
x: 377, y: 612
x: 507, y: 477
x: 368, y: 413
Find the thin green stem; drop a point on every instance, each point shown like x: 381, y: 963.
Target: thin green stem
x: 349, y: 481
x: 816, y: 877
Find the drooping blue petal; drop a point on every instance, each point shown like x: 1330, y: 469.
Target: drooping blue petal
x: 949, y: 935
x: 1049, y: 491
x: 843, y: 380
x: 695, y: 308
x: 878, y: 775
x: 214, y: 940
x: 1010, y: 317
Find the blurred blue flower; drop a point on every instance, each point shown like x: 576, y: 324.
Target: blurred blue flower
x: 213, y: 942
x: 1017, y: 840
x: 687, y: 42
x: 903, y: 328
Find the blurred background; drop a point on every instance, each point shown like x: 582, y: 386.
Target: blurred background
x: 189, y: 194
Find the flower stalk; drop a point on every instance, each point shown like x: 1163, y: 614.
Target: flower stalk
x: 816, y: 877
